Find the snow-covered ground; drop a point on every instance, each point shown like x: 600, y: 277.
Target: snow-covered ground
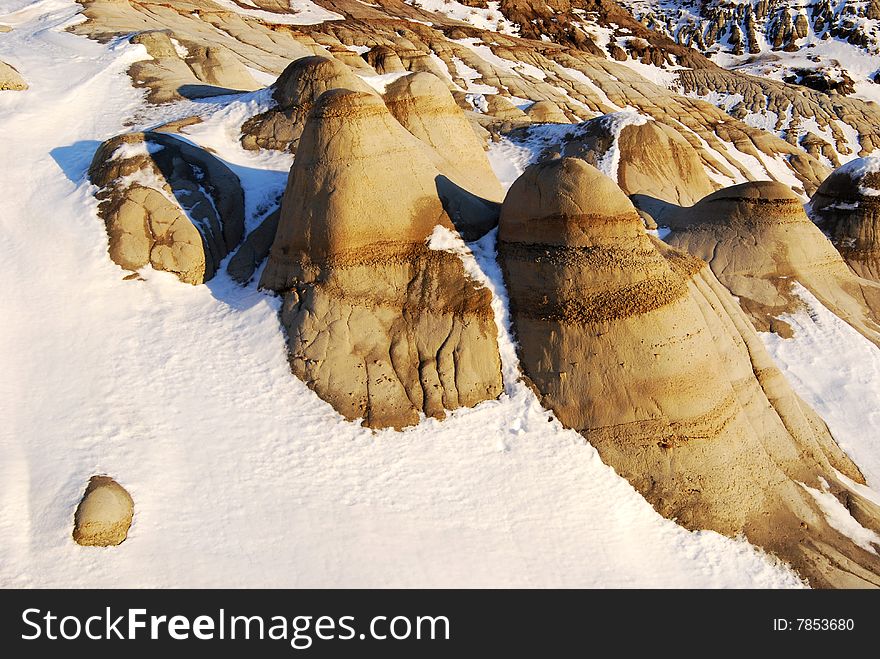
x: 837, y: 372
x: 240, y: 475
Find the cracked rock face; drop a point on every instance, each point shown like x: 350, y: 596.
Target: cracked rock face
x: 639, y: 348
x: 654, y: 159
x: 759, y: 242
x: 379, y: 325
x: 847, y: 208
x: 104, y: 514
x: 168, y: 204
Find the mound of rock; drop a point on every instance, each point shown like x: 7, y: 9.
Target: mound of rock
x: 847, y: 208
x: 638, y: 347
x: 10, y: 79
x: 758, y: 241
x: 294, y: 93
x: 645, y: 157
x: 180, y: 68
x: 546, y: 112
x: 501, y: 107
x: 424, y: 106
x: 380, y: 325
x: 104, y: 514
x: 167, y: 203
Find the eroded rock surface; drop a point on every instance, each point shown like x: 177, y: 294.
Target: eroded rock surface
x: 168, y: 204
x: 758, y: 241
x: 847, y: 208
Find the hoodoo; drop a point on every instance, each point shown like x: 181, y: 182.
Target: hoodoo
x: 759, y: 242
x: 379, y: 325
x: 847, y: 208
x: 645, y: 157
x: 294, y: 93
x: 423, y: 105
x: 639, y: 348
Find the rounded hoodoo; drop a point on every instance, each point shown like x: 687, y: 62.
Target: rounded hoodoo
x: 639, y: 348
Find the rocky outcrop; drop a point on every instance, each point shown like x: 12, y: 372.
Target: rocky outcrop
x: 180, y: 68
x: 294, y: 93
x: 378, y: 324
x: 639, y: 348
x: 847, y: 208
x: 570, y: 71
x: 104, y: 514
x: 10, y: 79
x: 759, y: 243
x: 168, y: 204
x: 254, y: 249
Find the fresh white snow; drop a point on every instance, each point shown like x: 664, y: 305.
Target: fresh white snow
x: 859, y: 168
x: 302, y: 12
x: 240, y: 475
x: 839, y: 518
x: 837, y: 372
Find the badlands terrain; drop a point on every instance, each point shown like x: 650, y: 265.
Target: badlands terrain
x: 431, y: 293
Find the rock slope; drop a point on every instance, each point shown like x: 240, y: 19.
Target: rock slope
x: 847, y: 208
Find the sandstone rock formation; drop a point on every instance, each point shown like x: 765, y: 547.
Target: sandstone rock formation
x: 758, y: 241
x: 180, y: 68
x: 295, y: 91
x: 104, y: 514
x: 167, y: 203
x: 546, y: 112
x: 570, y: 71
x: 646, y: 157
x: 378, y: 324
x: 847, y: 208
x: 425, y: 107
x: 638, y: 347
x: 10, y: 79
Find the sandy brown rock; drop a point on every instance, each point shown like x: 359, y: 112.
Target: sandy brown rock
x: 847, y: 208
x: 638, y: 347
x: 295, y: 91
x: 167, y: 203
x: 104, y: 514
x: 10, y: 79
x: 187, y: 69
x: 546, y: 112
x: 254, y: 249
x: 501, y: 107
x: 425, y: 107
x: 758, y: 241
x: 378, y: 324
x: 654, y: 159
x: 577, y: 75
